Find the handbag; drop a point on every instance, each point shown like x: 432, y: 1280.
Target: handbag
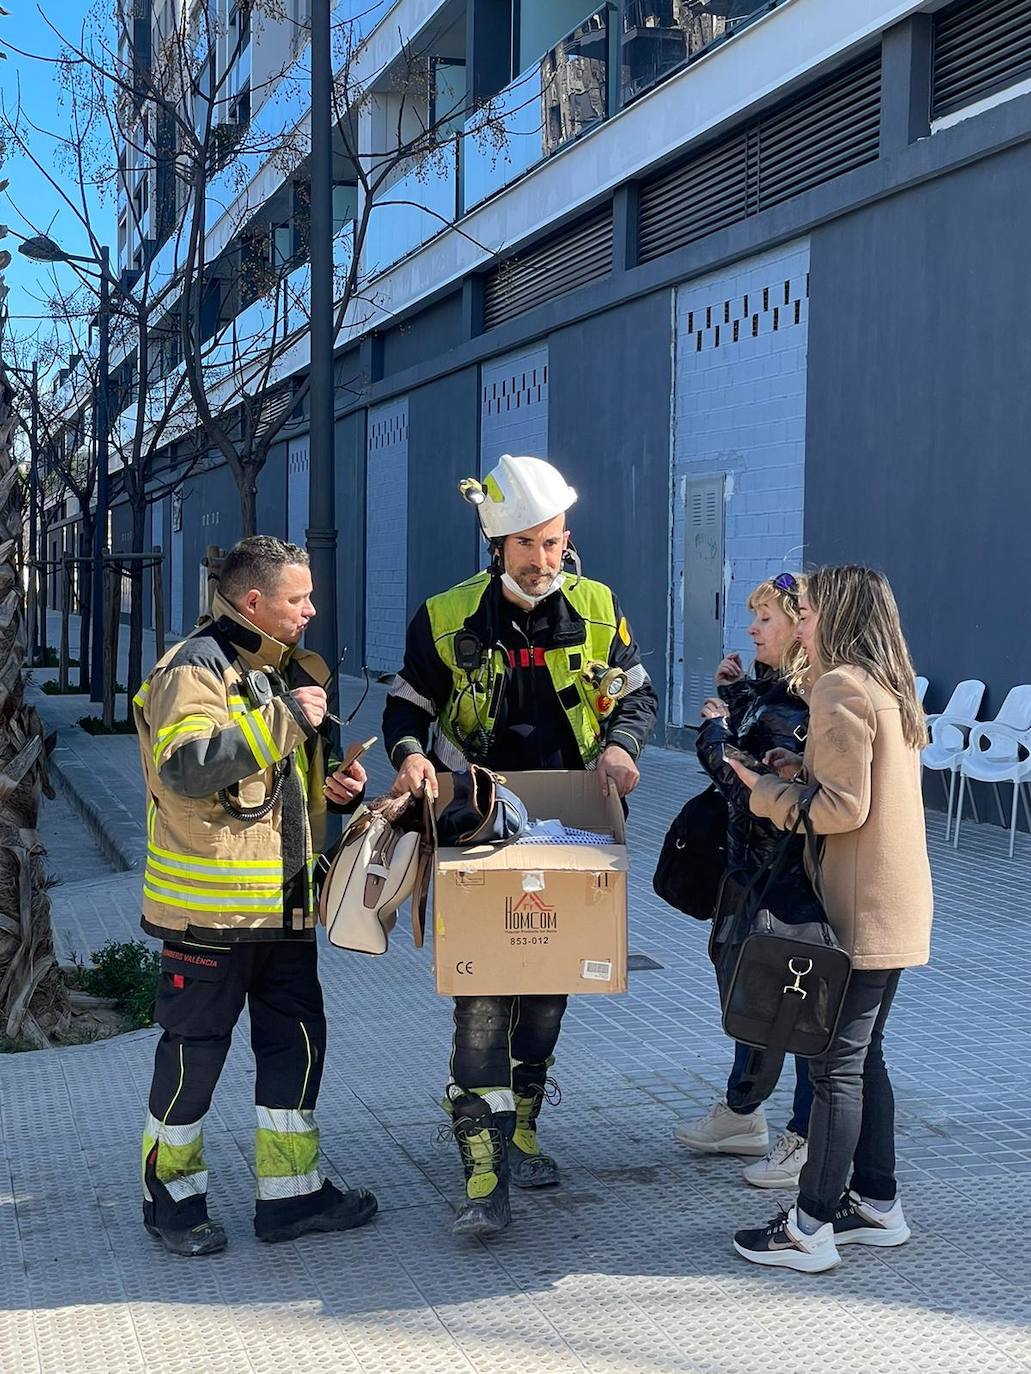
x: 378, y: 863
x: 693, y: 857
x: 481, y: 811
x: 781, y: 971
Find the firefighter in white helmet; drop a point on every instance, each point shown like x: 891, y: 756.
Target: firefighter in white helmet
x: 525, y: 666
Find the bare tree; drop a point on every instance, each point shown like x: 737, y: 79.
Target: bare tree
x: 33, y: 1001
x: 230, y: 304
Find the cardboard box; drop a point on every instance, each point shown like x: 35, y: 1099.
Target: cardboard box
x: 544, y: 918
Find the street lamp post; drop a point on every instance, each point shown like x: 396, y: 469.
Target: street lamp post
x: 41, y: 248
x: 34, y: 517
x: 322, y: 533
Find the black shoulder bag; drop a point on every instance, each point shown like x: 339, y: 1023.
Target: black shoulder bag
x: 694, y: 856
x: 782, y: 973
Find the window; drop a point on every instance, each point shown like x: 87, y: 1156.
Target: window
x: 661, y: 35
x: 239, y: 27
x: 240, y: 108
x: 345, y: 204
x: 281, y: 245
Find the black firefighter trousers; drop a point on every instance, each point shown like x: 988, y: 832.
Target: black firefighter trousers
x: 202, y: 991
x: 503, y: 1046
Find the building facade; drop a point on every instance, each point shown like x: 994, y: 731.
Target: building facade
x: 752, y: 274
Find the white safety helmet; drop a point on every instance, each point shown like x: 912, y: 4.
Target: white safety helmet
x: 518, y: 494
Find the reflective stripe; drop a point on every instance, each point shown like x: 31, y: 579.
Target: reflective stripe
x: 140, y: 699
x: 173, y: 1135
x: 252, y: 875
x: 200, y: 726
x: 212, y: 901
x: 246, y: 728
x: 404, y: 691
x: 449, y: 754
x: 288, y: 1185
x: 189, y: 1185
x: 285, y: 1120
x: 242, y: 864
x: 636, y: 677
x: 266, y: 736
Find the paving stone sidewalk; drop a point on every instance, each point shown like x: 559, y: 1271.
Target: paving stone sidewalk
x: 629, y: 1266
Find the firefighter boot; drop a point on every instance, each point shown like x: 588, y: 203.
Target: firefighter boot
x: 482, y: 1137
x: 527, y: 1166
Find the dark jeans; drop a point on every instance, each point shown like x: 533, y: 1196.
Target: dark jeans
x: 741, y: 1098
x: 853, y: 1122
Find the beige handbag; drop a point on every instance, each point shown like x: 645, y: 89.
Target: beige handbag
x: 375, y: 867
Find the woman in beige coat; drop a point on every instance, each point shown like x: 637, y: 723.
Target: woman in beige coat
x: 863, y: 749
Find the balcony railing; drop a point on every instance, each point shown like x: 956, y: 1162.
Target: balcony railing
x: 412, y: 210
x: 544, y: 108
x: 659, y: 36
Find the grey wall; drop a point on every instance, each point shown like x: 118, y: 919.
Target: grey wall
x: 919, y: 411
x: 436, y: 329
x: 443, y: 436
x: 271, y: 514
x: 608, y: 424
x: 350, y: 506
x: 211, y: 515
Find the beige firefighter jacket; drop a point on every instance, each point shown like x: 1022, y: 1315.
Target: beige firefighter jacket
x: 208, y: 750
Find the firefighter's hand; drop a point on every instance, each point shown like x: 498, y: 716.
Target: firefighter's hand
x: 343, y: 786
x: 313, y: 702
x: 617, y: 771
x: 414, y: 775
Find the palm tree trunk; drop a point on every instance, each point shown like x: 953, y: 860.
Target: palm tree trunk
x: 33, y: 1000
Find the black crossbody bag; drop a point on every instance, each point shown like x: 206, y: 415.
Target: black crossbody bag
x: 782, y: 973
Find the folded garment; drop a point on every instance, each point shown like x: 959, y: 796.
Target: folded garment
x: 554, y: 832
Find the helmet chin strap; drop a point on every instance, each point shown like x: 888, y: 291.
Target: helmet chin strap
x: 569, y: 555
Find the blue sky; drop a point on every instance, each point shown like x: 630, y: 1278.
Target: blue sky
x: 40, y: 96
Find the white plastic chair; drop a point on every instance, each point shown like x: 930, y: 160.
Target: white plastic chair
x: 921, y: 689
x: 949, y: 731
x: 1000, y: 751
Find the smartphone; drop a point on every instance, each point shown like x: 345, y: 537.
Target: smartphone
x: 731, y: 751
x: 355, y: 752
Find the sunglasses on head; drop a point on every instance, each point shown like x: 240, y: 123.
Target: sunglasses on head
x: 788, y: 583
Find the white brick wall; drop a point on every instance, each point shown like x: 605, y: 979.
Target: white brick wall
x: 386, y: 537
x: 739, y: 410
x: 514, y: 406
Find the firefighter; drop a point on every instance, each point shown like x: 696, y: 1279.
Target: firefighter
x: 525, y: 666
x: 234, y: 738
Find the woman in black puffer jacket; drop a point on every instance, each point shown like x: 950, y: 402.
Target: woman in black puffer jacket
x: 757, y: 713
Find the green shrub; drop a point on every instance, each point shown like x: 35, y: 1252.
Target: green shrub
x: 127, y: 972
x: 93, y: 725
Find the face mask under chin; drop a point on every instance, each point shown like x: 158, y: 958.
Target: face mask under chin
x: 513, y: 586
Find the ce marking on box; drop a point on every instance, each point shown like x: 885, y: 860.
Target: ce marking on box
x: 464, y: 967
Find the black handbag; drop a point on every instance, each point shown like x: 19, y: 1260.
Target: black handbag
x: 782, y: 973
x: 694, y: 856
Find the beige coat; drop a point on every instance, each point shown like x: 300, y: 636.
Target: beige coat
x: 876, y: 877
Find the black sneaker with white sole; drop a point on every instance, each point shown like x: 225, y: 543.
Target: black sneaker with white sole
x: 857, y: 1223
x: 784, y: 1244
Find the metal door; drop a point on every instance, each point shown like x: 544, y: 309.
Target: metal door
x: 703, y: 591
x: 297, y: 491
x: 175, y: 563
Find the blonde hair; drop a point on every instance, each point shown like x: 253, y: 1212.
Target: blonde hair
x: 859, y: 624
x: 794, y: 665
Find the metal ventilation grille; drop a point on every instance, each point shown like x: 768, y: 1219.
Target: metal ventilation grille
x: 828, y: 130
x: 980, y: 46
x: 570, y: 259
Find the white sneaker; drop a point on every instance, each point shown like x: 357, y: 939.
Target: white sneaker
x: 723, y: 1132
x: 784, y: 1244
x: 857, y: 1223
x: 783, y: 1164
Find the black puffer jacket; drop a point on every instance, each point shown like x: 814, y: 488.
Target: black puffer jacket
x: 764, y: 715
